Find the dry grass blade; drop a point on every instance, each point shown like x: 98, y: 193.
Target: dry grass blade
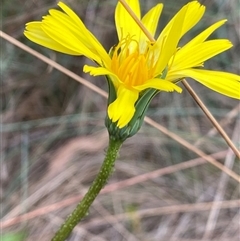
x: 225, y: 121
x: 136, y: 19
x: 151, y: 212
x: 111, y: 220
x: 193, y: 148
x: 211, y: 118
x: 110, y: 188
x: 53, y: 64
x: 214, y: 213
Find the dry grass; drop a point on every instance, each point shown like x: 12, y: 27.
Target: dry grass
x: 53, y: 139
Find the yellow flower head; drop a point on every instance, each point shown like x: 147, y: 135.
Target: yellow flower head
x: 137, y: 64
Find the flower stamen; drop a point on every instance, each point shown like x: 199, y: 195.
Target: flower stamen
x: 132, y: 67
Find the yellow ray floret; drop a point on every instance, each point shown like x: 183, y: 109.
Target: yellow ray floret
x: 222, y: 82
x: 64, y: 31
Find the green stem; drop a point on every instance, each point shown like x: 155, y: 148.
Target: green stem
x: 99, y: 182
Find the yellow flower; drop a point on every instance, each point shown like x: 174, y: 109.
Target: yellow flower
x: 135, y: 64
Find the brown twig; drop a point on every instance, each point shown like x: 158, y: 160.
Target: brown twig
x: 211, y: 118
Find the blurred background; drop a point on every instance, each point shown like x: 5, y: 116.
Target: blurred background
x: 53, y: 141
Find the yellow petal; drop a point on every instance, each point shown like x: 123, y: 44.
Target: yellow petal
x: 159, y: 84
x: 68, y: 36
x: 125, y: 24
x: 222, y: 82
x: 150, y: 21
x: 151, y: 18
x: 73, y: 34
x: 205, y: 34
x: 96, y: 71
x: 71, y: 14
x: 193, y: 12
x: 167, y: 44
x: 197, y: 54
x: 193, y: 15
x: 35, y: 33
x: 95, y: 46
x: 122, y: 109
x: 66, y: 33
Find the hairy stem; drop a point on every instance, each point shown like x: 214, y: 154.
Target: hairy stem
x: 99, y: 182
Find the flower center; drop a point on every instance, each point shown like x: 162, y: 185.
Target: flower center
x: 132, y: 67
